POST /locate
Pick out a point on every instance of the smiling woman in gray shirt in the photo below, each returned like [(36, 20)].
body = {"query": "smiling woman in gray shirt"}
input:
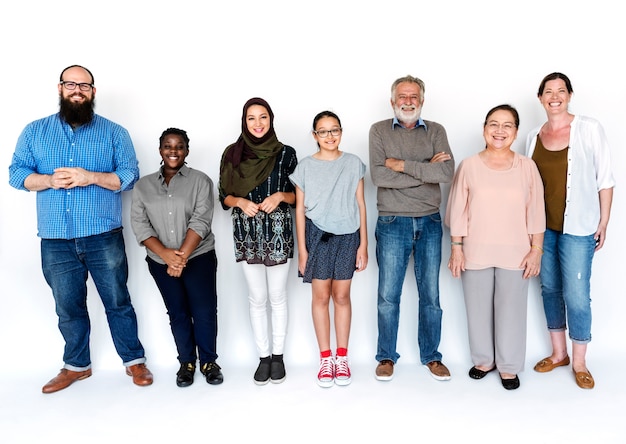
[(171, 216)]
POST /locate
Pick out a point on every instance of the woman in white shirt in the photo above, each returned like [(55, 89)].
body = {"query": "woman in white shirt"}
[(572, 155)]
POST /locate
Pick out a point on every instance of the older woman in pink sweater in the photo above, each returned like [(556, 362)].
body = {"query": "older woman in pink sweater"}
[(496, 217)]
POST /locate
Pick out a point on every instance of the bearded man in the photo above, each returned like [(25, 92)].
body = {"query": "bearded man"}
[(78, 163), (409, 159)]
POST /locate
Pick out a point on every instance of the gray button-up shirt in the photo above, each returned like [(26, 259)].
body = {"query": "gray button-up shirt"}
[(168, 211)]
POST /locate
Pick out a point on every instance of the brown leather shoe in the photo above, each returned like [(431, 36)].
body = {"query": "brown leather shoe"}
[(64, 379), (438, 371), (584, 380), (140, 373), (384, 370), (546, 364)]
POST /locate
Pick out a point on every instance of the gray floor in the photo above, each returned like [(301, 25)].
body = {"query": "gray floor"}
[(412, 407)]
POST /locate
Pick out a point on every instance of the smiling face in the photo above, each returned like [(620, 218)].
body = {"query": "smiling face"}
[(555, 97), (258, 120), (77, 75), (500, 130), (75, 105), (174, 151), (407, 103), (326, 126)]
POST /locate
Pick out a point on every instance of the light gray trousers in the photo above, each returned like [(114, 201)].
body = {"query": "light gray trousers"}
[(496, 305)]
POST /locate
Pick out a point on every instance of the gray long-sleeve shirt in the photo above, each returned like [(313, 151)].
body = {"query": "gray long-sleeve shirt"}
[(168, 211), (416, 192)]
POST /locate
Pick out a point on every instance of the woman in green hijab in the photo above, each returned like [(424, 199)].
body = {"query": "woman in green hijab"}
[(254, 182)]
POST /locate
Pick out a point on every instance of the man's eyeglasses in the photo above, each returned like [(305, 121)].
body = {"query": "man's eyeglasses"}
[(324, 133), (71, 86)]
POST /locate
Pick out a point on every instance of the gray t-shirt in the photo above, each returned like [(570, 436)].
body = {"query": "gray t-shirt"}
[(329, 188)]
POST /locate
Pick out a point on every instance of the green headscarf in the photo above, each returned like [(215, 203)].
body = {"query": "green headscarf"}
[(250, 160)]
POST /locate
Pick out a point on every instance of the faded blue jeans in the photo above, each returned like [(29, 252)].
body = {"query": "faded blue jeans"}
[(565, 283), (66, 264), (397, 238)]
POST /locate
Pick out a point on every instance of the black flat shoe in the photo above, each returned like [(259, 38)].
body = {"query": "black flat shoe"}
[(510, 384), (476, 373), (213, 373), (184, 376)]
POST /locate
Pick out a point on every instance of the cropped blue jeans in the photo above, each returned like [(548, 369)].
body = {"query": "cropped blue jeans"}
[(565, 283)]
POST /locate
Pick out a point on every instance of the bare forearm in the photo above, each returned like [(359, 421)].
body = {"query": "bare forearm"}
[(154, 244), (606, 200), (38, 182), (191, 242), (109, 181), (536, 240), (67, 178), (288, 198), (231, 201)]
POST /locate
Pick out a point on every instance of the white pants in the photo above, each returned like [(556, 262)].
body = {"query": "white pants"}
[(268, 283)]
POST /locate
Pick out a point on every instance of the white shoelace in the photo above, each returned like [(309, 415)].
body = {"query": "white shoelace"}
[(341, 367), (327, 368)]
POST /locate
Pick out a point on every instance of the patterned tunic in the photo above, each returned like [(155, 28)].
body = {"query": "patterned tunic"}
[(267, 238)]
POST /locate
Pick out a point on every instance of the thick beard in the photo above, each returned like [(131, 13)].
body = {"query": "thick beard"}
[(76, 114), (407, 115)]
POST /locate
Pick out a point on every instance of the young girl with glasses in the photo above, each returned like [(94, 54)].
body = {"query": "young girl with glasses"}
[(332, 239)]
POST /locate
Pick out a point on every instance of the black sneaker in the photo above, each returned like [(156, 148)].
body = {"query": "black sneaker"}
[(277, 369), (263, 371), (184, 376), (213, 373)]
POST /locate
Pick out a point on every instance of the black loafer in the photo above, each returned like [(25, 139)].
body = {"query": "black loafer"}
[(510, 384), (184, 376), (213, 373), (476, 373)]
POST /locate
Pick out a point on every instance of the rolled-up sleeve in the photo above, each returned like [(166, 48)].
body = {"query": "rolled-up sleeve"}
[(126, 164), (23, 163)]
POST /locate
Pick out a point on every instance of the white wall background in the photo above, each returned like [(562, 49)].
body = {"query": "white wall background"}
[(193, 64)]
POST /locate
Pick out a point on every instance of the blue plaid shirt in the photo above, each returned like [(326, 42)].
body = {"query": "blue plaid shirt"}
[(100, 146)]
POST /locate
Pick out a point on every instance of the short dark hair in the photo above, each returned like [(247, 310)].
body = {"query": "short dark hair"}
[(176, 131), (503, 107), (93, 82), (555, 76)]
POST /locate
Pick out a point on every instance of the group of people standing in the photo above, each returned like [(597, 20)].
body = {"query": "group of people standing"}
[(511, 217)]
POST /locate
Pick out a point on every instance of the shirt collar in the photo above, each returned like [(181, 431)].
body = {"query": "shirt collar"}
[(184, 171), (420, 122)]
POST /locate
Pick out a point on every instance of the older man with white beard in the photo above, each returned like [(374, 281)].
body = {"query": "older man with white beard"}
[(409, 159)]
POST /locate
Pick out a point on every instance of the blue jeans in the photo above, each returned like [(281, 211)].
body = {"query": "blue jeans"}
[(191, 302), (397, 238), (66, 264), (565, 283)]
